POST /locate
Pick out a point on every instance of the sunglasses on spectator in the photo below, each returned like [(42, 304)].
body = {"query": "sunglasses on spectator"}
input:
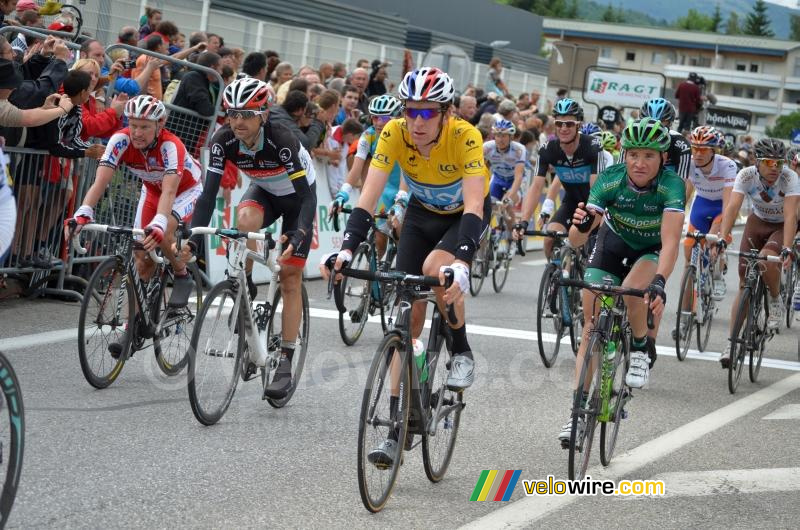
[(382, 119), (772, 162), (569, 124), (425, 114), (702, 149), (242, 113)]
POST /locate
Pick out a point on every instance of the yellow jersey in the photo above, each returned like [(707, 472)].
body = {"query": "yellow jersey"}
[(435, 181)]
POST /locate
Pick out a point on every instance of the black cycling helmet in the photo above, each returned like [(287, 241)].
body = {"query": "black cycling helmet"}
[(770, 148)]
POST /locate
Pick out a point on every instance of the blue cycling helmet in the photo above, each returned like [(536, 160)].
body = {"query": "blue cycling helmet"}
[(568, 107), (503, 126), (590, 128), (659, 109)]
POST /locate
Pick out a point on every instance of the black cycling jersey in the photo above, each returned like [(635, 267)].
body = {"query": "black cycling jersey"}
[(278, 164), (679, 156), (574, 173)]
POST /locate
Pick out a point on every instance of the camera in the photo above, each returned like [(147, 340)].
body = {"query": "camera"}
[(128, 65)]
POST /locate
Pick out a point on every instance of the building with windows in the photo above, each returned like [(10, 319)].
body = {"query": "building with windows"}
[(755, 74)]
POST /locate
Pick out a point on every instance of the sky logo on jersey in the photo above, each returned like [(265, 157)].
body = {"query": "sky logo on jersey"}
[(494, 485), (574, 175), (446, 197)]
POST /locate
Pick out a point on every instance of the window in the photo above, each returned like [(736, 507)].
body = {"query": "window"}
[(737, 91), (796, 72), (753, 67), (741, 67), (764, 93), (704, 61), (658, 58), (605, 52), (630, 56), (750, 92)]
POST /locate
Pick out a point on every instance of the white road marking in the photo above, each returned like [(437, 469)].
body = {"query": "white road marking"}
[(524, 512), (534, 262), (63, 335), (728, 482), (786, 412)]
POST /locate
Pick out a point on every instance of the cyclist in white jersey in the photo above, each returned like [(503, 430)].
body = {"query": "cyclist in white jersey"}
[(506, 158), (591, 129), (775, 193)]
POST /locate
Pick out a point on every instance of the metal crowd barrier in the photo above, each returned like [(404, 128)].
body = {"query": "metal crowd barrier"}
[(40, 33)]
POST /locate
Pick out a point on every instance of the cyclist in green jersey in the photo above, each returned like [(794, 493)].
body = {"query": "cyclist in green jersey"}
[(641, 207)]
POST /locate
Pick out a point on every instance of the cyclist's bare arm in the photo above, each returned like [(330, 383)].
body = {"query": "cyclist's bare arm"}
[(555, 188), (519, 172), (532, 198), (730, 213), (373, 188), (354, 175), (790, 219), (690, 190), (101, 180)]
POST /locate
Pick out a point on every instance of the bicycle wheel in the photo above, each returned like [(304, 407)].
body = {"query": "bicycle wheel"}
[(437, 449), (757, 325), (479, 269), (740, 337), (708, 308), (500, 273), (580, 447), (376, 421), (576, 308), (12, 438), (791, 278), (619, 397), (274, 337), (684, 323), (106, 315), (217, 352), (549, 328), (356, 296), (175, 325)]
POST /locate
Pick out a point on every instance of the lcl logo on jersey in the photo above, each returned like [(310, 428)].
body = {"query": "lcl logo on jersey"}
[(475, 164), (447, 168), (380, 157)]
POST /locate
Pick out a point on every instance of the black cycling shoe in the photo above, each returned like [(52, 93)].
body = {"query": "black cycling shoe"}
[(282, 382), (115, 349), (182, 287)]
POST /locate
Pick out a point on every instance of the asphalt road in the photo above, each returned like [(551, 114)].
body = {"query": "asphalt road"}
[(134, 456)]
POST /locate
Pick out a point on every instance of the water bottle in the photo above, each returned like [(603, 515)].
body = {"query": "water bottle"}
[(421, 359)]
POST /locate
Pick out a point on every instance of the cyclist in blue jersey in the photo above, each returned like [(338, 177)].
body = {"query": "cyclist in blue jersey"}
[(576, 160), (506, 159), (382, 109)]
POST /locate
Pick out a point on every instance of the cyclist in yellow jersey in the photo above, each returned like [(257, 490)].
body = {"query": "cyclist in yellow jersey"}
[(441, 157)]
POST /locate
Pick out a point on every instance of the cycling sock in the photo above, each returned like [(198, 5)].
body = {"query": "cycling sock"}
[(287, 349), (460, 344), (639, 344), (394, 404)]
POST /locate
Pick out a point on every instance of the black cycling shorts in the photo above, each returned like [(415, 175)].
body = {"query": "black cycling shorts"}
[(424, 231), (563, 215), (611, 255), (273, 208)]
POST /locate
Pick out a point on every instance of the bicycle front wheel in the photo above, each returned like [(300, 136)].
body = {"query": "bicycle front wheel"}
[(479, 269), (502, 266), (585, 413), (12, 438), (619, 396), (791, 279), (445, 407), (757, 327), (740, 337), (173, 336), (377, 476), (106, 316), (684, 323), (275, 336), (549, 328), (355, 296), (216, 353)]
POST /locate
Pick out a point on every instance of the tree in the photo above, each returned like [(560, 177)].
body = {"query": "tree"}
[(784, 125), (609, 15), (757, 22), (794, 28), (694, 21), (716, 19), (572, 10), (732, 26)]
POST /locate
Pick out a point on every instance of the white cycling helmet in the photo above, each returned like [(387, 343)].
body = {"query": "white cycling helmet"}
[(145, 107), (248, 93), (427, 84)]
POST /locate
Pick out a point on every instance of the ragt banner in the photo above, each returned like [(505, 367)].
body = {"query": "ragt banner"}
[(621, 89)]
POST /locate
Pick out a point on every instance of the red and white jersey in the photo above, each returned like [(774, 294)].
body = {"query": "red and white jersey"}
[(167, 155)]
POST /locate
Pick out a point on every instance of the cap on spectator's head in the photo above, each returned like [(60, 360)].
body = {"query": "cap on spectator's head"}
[(25, 5), (10, 77), (60, 26)]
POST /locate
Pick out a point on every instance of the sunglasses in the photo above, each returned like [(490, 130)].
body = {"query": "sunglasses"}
[(702, 149), (425, 114), (383, 119), (568, 124), (771, 162), (246, 114)]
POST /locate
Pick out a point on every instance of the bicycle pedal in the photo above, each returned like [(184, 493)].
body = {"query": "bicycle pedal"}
[(249, 371)]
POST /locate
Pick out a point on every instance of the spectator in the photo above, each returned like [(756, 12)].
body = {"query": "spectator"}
[(227, 58), (339, 70), (13, 117), (255, 65), (214, 42), (535, 96), (97, 124), (337, 84), (177, 43), (506, 110), (93, 49), (128, 35), (315, 91), (273, 60), (238, 59), (523, 102), (167, 31), (467, 107), (120, 72), (325, 73), (156, 44), (359, 79), (298, 83), (377, 79), (283, 74), (6, 8), (152, 17), (328, 106), (488, 107), (227, 74), (349, 105), (339, 142), (29, 18), (689, 101), (290, 112), (61, 138), (494, 81), (197, 37), (197, 92), (362, 63)]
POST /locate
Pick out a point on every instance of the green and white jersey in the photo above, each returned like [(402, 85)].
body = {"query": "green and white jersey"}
[(633, 214)]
